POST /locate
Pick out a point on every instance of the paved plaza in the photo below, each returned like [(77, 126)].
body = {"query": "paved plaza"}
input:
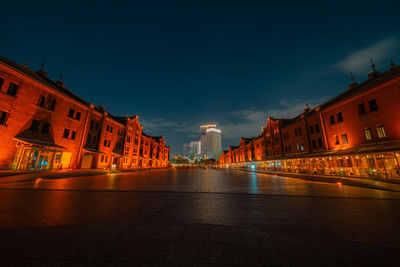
[(198, 217)]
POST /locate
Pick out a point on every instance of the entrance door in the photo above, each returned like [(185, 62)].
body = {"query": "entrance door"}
[(66, 160), (34, 159), (86, 161)]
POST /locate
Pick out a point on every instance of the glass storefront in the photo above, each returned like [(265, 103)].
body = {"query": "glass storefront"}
[(35, 158), (373, 165)]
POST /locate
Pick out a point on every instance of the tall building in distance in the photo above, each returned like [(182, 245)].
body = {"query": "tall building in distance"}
[(192, 150), (210, 140)]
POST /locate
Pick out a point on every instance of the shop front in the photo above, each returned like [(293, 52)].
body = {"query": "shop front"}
[(38, 155)]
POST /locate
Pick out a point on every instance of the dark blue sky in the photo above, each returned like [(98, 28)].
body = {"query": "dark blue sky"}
[(178, 64)]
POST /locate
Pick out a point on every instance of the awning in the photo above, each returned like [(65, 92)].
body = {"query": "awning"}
[(93, 150), (38, 143), (389, 146), (117, 154)]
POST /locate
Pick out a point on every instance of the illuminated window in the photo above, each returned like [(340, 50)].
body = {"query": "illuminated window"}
[(66, 133), (302, 147), (344, 139), (71, 113), (368, 134), (35, 125), (298, 147), (3, 117), (339, 117), (381, 131), (373, 105), (361, 109), (332, 119), (46, 128), (12, 89)]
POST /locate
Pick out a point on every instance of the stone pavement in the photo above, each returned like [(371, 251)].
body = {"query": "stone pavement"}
[(170, 218), (188, 244)]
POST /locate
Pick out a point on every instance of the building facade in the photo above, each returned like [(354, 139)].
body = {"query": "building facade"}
[(44, 126), (192, 150), (356, 133), (210, 140)]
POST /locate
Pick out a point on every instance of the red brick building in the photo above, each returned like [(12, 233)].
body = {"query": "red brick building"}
[(43, 125), (356, 133)]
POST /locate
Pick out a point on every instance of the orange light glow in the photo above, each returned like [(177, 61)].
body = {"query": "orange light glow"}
[(339, 185), (37, 182)]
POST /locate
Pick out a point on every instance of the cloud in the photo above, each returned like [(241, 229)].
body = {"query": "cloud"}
[(248, 122), (358, 62)]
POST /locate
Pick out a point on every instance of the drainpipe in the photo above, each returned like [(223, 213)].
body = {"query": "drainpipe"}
[(323, 127), (84, 134), (307, 133)]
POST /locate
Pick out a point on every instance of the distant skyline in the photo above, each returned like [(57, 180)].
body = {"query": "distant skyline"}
[(180, 64)]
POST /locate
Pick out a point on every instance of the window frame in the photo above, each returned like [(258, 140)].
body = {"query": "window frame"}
[(383, 131), (73, 135), (361, 109), (345, 139), (66, 133), (71, 115), (339, 117), (373, 105), (370, 134), (332, 120), (78, 115), (12, 89), (4, 117)]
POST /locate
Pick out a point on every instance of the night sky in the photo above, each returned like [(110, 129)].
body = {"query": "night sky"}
[(180, 64)]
